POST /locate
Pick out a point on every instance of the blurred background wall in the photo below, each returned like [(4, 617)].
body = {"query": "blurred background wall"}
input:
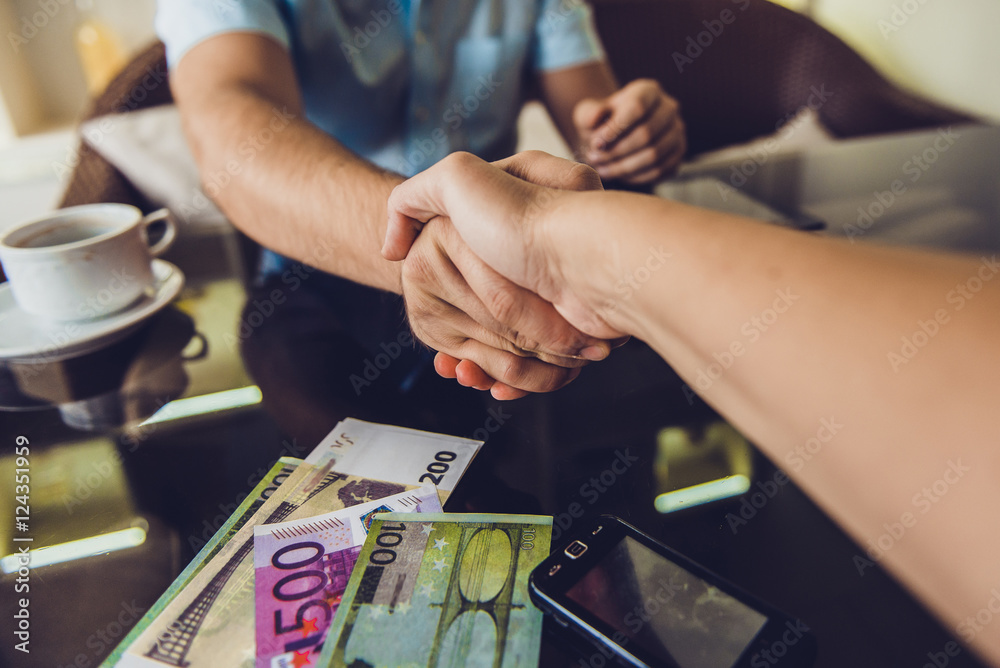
[(944, 49), (43, 81)]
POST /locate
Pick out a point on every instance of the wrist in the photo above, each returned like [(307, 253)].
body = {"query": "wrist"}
[(577, 242), (393, 269)]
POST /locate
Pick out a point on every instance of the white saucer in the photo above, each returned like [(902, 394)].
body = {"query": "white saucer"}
[(28, 338)]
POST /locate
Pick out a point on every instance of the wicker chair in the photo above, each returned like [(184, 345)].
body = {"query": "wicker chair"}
[(94, 179), (758, 70), (740, 67)]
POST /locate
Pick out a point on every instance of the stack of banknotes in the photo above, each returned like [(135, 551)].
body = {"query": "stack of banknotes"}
[(346, 559)]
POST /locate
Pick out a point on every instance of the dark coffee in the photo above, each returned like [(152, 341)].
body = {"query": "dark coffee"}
[(67, 232)]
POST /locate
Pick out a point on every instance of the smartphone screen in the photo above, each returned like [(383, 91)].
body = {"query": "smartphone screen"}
[(674, 615)]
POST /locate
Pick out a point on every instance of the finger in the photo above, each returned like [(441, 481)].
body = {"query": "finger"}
[(469, 374), (521, 373), (400, 233), (530, 323), (630, 106), (445, 365), (419, 199), (650, 161), (661, 122), (589, 113), (666, 167), (507, 316), (444, 327), (502, 392), (620, 341), (547, 170)]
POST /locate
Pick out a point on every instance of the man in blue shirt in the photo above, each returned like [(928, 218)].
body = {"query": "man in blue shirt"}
[(304, 114)]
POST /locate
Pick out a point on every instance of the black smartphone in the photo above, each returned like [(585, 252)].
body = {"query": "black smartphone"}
[(643, 604)]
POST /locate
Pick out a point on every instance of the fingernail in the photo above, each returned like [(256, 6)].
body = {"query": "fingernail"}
[(618, 343), (594, 353)]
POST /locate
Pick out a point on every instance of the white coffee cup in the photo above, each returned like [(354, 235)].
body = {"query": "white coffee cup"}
[(83, 262)]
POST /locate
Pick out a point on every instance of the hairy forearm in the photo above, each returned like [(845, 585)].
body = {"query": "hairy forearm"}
[(867, 373), (290, 186)]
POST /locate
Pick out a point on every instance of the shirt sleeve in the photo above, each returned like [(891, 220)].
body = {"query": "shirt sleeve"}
[(181, 24), (565, 35)]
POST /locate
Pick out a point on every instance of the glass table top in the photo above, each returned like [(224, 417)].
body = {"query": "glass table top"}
[(141, 450)]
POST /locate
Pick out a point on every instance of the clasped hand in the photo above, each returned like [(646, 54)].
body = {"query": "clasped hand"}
[(477, 228)]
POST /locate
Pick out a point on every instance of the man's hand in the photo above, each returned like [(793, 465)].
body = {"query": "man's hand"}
[(635, 135), (506, 338), (496, 210), (462, 308)]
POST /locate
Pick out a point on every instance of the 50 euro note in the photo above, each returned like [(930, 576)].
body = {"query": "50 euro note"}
[(302, 568), (211, 621), (442, 590)]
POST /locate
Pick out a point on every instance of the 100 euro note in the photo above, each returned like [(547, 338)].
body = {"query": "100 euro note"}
[(442, 590), (210, 622), (302, 568), (273, 479)]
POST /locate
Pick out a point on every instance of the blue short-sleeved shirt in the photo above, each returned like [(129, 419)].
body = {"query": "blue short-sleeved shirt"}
[(404, 83)]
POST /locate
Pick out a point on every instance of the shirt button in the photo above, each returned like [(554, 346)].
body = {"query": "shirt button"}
[(420, 37), (421, 113)]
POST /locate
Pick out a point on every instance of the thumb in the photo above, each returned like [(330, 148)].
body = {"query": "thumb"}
[(485, 204)]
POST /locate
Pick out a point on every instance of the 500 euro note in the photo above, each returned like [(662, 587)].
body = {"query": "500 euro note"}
[(211, 620), (302, 568)]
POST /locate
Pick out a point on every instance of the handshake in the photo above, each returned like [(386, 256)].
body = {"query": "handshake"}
[(539, 277)]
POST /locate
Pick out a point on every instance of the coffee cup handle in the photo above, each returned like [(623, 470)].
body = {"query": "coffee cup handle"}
[(169, 235)]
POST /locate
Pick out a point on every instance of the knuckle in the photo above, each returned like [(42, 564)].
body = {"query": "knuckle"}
[(531, 374), (427, 317), (532, 155), (583, 177), (514, 371), (419, 332), (634, 108), (643, 135), (505, 307), (418, 269), (458, 159)]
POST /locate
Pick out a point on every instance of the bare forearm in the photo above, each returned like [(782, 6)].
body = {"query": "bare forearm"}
[(562, 89), (294, 189), (865, 372), (279, 178)]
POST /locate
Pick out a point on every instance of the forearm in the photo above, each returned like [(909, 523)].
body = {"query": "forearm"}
[(277, 177), (799, 341), (562, 89)]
